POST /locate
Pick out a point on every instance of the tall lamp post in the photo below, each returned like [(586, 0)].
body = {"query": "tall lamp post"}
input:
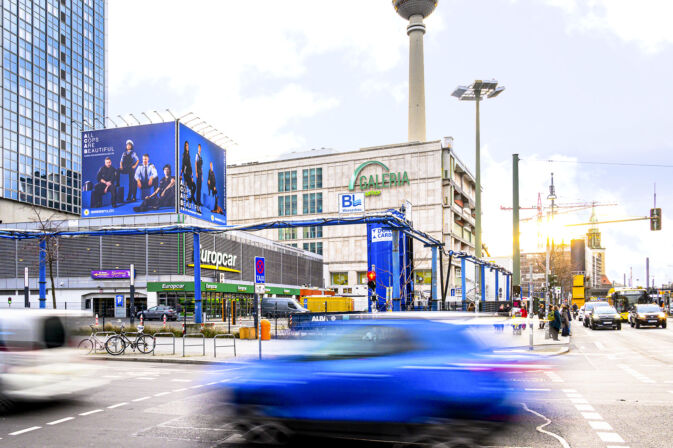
[(476, 92)]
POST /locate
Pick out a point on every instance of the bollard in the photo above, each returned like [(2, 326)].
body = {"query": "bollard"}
[(164, 321), (96, 319), (141, 319)]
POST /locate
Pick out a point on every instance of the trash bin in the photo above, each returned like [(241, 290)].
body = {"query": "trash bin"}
[(266, 330)]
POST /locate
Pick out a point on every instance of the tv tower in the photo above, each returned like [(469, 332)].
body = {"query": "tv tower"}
[(415, 11)]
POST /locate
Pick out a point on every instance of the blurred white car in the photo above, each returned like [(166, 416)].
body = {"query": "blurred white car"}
[(580, 315), (35, 360)]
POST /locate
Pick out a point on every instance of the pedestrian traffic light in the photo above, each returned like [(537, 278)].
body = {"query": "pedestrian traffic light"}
[(655, 219), (371, 280), (516, 290), (9, 300)]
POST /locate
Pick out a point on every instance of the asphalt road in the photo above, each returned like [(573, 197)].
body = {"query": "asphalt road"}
[(614, 389)]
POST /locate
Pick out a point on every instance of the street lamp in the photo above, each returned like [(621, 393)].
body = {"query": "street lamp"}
[(475, 92)]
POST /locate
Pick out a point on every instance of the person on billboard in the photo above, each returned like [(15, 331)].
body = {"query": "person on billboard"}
[(186, 171), (146, 175), (105, 182), (217, 208), (127, 165), (211, 180), (164, 196), (198, 163)]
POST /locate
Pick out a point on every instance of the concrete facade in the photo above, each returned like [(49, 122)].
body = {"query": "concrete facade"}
[(440, 190)]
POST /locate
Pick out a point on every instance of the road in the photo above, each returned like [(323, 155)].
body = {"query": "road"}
[(614, 389)]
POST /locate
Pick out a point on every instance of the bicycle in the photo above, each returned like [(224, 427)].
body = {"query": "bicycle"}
[(87, 345), (116, 345)]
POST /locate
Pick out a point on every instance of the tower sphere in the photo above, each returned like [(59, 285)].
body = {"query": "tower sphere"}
[(408, 8)]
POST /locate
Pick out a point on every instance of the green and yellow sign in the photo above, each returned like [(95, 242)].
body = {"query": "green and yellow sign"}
[(377, 181)]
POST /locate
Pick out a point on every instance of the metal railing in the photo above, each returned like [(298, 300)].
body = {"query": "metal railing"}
[(167, 333), (203, 342), (228, 336), (95, 335)]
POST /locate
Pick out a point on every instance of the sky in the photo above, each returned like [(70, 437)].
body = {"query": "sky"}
[(586, 82)]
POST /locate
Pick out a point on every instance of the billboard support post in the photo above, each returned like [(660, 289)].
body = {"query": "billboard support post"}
[(197, 279), (433, 282), (132, 293), (26, 290), (497, 285), (396, 271), (463, 282), (43, 273)]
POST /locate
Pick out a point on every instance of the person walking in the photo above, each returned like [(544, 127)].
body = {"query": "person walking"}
[(555, 325), (565, 321)]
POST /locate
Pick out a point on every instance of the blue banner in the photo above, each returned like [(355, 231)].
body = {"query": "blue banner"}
[(129, 171), (202, 177)]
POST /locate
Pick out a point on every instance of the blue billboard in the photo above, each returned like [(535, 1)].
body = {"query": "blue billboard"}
[(202, 177), (129, 171)]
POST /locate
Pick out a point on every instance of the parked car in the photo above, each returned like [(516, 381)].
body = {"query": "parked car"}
[(580, 315), (158, 312), (606, 317), (589, 309), (395, 380), (647, 314), (281, 307)]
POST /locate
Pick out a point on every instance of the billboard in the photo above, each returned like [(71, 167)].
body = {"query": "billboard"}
[(202, 175), (129, 171), (351, 203)]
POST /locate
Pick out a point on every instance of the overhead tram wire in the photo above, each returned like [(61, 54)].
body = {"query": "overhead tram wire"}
[(578, 162)]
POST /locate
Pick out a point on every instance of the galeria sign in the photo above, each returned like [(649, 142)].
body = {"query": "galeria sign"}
[(383, 179)]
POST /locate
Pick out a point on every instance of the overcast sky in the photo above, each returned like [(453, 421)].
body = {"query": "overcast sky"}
[(587, 81)]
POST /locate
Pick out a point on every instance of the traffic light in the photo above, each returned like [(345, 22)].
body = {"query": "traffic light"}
[(371, 280), (516, 290), (655, 219)]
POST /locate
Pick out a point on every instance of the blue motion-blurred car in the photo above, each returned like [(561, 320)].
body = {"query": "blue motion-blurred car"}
[(409, 381)]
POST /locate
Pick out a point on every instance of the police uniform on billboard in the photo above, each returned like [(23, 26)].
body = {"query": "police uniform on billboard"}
[(164, 196), (198, 161), (106, 179), (186, 171), (146, 176), (128, 165)]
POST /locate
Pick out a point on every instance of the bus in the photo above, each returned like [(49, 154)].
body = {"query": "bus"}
[(624, 298)]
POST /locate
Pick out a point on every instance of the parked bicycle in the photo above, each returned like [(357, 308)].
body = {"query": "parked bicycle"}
[(117, 344), (87, 345)]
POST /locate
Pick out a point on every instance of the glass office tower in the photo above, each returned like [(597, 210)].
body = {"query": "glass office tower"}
[(53, 87)]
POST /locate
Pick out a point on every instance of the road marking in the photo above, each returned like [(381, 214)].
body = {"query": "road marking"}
[(32, 428), (554, 377), (179, 380), (571, 395), (642, 378), (112, 376), (531, 389), (569, 390), (592, 416), (179, 390), (91, 412), (599, 345), (141, 399), (579, 400), (210, 384), (600, 425), (610, 437), (196, 387), (146, 378), (563, 441), (117, 405), (56, 422), (584, 407), (161, 394)]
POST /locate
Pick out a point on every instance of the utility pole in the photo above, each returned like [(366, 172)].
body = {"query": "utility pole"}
[(647, 273), (516, 249)]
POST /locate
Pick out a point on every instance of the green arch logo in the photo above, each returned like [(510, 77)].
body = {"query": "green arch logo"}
[(356, 173)]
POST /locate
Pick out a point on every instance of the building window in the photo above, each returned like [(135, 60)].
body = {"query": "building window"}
[(311, 178), (313, 232), (312, 203), (362, 278), (339, 278), (287, 205), (423, 277), (315, 247), (287, 181), (287, 234)]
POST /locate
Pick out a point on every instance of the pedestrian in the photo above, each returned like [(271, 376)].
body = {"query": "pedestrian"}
[(540, 315), (565, 321), (524, 312), (555, 325)]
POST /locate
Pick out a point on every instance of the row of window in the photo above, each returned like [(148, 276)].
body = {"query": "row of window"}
[(291, 234), (311, 179), (311, 204), (315, 247), (421, 277)]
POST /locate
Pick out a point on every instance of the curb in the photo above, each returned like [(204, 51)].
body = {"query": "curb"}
[(161, 360)]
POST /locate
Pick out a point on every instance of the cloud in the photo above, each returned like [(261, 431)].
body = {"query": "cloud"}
[(644, 22)]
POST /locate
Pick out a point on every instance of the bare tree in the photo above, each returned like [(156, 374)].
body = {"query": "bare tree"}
[(48, 223)]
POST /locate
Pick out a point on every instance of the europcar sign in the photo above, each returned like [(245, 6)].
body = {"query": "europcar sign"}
[(384, 178)]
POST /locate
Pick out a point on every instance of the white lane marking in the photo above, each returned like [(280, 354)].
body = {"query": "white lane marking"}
[(141, 399), (554, 377), (91, 412), (579, 400), (599, 345), (604, 426), (592, 416), (179, 380), (539, 428), (146, 378), (610, 437), (161, 394), (56, 422), (585, 407), (210, 384), (196, 387), (179, 390), (112, 376), (570, 395), (642, 378), (118, 405), (616, 446), (532, 389), (32, 428), (569, 390)]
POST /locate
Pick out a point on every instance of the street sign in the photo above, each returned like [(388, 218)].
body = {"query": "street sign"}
[(119, 300), (260, 288), (352, 203), (260, 272), (120, 306)]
